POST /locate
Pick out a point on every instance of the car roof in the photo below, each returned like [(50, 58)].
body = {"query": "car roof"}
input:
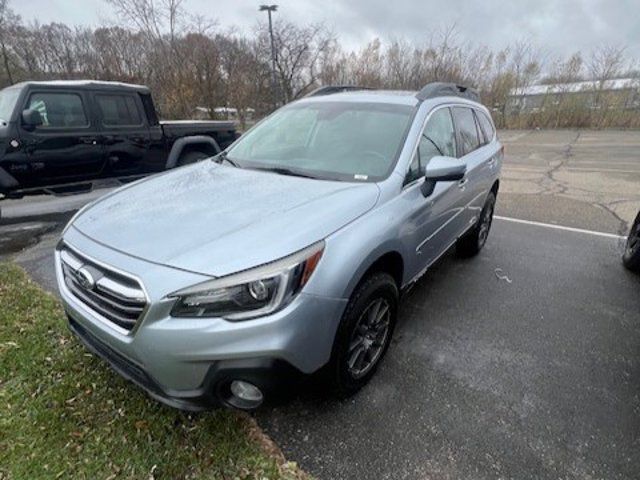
[(86, 84)]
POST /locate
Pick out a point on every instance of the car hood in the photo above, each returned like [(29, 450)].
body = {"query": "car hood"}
[(216, 219)]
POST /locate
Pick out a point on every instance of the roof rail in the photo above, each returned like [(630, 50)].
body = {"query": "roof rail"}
[(442, 89), (331, 89)]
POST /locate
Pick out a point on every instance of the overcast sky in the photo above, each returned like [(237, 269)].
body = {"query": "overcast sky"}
[(557, 26)]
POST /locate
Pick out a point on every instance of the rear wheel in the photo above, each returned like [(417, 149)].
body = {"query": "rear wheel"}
[(472, 242), (191, 157), (364, 334), (631, 257)]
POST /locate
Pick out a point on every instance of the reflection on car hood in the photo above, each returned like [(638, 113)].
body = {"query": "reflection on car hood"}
[(216, 219)]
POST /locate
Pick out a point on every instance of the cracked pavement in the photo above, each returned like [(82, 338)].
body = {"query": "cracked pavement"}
[(586, 179)]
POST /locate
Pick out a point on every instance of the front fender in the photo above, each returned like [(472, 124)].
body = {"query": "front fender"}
[(351, 251)]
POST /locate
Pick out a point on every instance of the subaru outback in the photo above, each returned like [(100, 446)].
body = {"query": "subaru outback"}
[(286, 253)]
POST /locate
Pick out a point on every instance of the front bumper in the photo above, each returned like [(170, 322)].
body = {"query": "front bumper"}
[(184, 362), (268, 374)]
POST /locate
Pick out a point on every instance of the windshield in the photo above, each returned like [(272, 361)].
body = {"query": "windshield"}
[(329, 140), (8, 98)]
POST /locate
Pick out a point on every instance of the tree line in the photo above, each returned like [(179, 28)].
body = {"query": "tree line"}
[(189, 61)]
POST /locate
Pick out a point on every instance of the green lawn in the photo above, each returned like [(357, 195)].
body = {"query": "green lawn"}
[(65, 414)]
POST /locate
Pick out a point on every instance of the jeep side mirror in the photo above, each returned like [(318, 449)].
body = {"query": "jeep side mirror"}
[(442, 169), (31, 118)]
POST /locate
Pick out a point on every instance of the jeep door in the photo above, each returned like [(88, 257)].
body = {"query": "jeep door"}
[(65, 147), (124, 133), (433, 223)]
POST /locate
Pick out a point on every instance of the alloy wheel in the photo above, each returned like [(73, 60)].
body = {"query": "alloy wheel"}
[(369, 337)]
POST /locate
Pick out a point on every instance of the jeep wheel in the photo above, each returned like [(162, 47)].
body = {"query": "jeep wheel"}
[(364, 334), (472, 242), (631, 257)]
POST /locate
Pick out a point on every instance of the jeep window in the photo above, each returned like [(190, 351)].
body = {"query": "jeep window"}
[(438, 138), (329, 140), (118, 110), (8, 98), (467, 131), (59, 110)]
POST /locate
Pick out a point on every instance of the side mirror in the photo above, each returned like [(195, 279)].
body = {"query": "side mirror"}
[(31, 118), (442, 169)]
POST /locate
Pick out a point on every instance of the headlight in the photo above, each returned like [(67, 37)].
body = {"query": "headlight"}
[(252, 293)]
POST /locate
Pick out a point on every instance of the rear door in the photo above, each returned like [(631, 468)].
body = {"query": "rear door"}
[(124, 133), (470, 141), (65, 147)]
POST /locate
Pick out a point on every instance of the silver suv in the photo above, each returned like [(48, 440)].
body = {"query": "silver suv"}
[(287, 253)]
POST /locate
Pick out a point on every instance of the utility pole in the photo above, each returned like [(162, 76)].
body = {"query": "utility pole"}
[(274, 90)]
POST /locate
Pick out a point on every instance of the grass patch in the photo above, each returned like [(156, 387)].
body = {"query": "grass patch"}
[(65, 414)]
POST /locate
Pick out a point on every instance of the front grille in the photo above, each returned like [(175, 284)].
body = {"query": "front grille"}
[(114, 296)]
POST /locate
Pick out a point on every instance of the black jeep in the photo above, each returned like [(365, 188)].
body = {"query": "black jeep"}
[(64, 136)]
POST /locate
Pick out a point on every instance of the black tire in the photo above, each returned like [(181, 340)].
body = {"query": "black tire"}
[(631, 257), (191, 157), (472, 242), (378, 287)]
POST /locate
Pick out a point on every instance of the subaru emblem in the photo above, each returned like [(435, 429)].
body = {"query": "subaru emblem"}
[(85, 279)]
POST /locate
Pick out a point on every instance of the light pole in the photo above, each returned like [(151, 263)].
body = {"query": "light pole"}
[(269, 9)]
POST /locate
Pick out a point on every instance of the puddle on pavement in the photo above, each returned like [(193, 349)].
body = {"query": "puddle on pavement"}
[(17, 237)]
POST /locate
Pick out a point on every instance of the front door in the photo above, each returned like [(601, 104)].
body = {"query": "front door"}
[(434, 222), (65, 148)]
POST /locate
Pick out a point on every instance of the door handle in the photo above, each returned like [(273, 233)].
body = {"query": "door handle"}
[(492, 162), (462, 184)]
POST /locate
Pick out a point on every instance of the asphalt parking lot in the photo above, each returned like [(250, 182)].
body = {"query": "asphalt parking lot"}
[(521, 363)]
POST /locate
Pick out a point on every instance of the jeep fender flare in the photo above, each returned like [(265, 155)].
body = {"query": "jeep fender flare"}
[(180, 144)]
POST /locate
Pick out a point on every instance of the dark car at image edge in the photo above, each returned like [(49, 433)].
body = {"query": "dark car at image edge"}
[(63, 136)]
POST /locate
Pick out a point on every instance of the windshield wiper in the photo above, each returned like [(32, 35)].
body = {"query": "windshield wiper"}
[(223, 157), (285, 171)]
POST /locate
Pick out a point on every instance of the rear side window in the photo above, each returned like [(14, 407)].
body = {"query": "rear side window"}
[(468, 139), (59, 110), (486, 126), (118, 110)]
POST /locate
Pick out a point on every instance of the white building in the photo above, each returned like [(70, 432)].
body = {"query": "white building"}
[(619, 93)]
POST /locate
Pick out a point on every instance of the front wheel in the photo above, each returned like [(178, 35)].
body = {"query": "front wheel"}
[(631, 257), (472, 242), (364, 334)]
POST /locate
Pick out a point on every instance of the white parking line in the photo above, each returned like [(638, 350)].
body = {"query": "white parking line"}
[(559, 227)]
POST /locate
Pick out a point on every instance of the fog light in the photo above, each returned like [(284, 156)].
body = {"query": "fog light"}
[(248, 394)]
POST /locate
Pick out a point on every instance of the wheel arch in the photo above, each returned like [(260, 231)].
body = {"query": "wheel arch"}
[(184, 145), (389, 261)]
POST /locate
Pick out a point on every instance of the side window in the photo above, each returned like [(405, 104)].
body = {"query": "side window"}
[(438, 138), (486, 126), (467, 131), (59, 110), (118, 110)]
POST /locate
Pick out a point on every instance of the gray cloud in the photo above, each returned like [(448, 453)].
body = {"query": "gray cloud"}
[(559, 27)]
